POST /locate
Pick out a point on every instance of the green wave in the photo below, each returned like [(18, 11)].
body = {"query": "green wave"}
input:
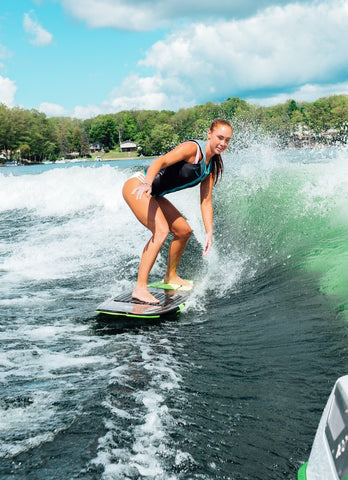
[(291, 215)]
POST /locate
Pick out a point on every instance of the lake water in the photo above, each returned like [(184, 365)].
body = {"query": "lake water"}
[(231, 389)]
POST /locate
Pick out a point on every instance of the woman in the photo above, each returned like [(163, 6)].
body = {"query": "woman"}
[(190, 163)]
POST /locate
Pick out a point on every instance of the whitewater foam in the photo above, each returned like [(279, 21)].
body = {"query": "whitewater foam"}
[(61, 192), (148, 411)]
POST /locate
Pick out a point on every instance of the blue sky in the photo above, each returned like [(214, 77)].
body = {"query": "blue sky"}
[(82, 58)]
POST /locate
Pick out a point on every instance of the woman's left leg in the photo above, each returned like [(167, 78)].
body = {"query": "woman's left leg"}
[(182, 231)]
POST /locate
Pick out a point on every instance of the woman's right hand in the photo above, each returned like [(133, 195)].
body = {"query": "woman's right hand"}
[(208, 244), (141, 189)]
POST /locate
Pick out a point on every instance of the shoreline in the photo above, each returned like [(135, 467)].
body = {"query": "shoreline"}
[(10, 163)]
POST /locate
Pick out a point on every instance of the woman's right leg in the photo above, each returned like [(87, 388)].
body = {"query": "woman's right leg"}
[(181, 231), (147, 211)]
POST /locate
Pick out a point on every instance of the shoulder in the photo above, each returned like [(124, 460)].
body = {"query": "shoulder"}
[(188, 146), (186, 150)]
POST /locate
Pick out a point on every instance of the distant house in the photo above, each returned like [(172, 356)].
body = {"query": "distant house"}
[(128, 146), (96, 147)]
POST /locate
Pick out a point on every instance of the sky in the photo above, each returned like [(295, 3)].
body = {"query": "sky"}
[(82, 58)]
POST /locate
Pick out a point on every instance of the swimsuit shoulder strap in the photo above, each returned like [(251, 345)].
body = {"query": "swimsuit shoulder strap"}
[(198, 151), (201, 144)]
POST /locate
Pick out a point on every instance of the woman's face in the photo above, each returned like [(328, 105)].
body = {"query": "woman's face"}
[(219, 138)]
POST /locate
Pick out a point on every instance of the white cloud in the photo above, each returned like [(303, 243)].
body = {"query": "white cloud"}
[(134, 93), (52, 109), (5, 52), (82, 112), (8, 87), (278, 48), (89, 111), (8, 90), (147, 93), (306, 93), (109, 13), (293, 49), (42, 37), (150, 93), (143, 15)]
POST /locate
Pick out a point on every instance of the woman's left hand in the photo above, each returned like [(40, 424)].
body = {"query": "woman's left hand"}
[(208, 243)]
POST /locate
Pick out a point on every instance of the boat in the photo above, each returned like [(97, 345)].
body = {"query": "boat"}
[(328, 459)]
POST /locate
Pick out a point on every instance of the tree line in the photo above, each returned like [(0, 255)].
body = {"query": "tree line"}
[(31, 135)]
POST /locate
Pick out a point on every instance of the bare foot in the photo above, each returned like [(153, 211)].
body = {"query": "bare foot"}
[(143, 295), (178, 281)]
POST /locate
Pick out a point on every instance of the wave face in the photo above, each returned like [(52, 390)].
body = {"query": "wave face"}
[(289, 210), (226, 391)]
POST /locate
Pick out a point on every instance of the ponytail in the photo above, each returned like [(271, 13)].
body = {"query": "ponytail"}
[(217, 168)]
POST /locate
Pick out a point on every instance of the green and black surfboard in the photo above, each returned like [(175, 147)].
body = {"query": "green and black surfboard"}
[(172, 300)]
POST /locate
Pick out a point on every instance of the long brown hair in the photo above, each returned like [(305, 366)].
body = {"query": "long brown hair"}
[(217, 162)]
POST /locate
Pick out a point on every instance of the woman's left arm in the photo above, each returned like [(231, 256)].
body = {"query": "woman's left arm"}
[(207, 211)]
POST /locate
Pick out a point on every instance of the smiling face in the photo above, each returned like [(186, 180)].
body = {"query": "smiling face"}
[(219, 136)]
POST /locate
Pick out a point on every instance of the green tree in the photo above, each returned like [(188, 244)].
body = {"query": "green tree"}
[(339, 111), (15, 129), (76, 139), (292, 107), (200, 128), (129, 127), (24, 151), (104, 130), (319, 115), (41, 136), (144, 144), (4, 122), (85, 151), (234, 107), (163, 138), (64, 147), (296, 121), (61, 128), (145, 121), (183, 123)]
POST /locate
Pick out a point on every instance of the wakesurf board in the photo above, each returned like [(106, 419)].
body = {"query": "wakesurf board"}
[(172, 300)]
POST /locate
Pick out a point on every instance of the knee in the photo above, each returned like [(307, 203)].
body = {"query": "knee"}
[(184, 232), (161, 235), (188, 232)]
